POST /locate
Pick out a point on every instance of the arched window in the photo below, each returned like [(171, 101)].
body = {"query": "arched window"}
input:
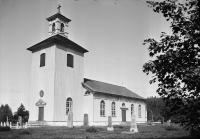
[(123, 104), (102, 108), (139, 111), (53, 27), (132, 109), (70, 60), (113, 109), (62, 27), (69, 104), (42, 60)]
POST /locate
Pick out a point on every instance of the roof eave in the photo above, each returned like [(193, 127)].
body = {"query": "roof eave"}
[(120, 95), (88, 87), (58, 15), (54, 40)]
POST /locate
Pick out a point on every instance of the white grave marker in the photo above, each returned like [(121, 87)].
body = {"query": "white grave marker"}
[(133, 123), (110, 126)]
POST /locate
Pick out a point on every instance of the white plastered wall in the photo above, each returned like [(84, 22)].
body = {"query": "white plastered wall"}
[(88, 107), (68, 84), (118, 102), (42, 78)]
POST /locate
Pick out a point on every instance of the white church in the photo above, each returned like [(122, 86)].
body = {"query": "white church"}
[(58, 84)]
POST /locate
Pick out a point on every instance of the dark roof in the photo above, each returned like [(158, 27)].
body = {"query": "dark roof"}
[(56, 39), (101, 87), (58, 15)]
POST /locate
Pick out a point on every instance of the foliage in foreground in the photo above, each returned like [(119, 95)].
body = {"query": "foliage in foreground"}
[(176, 60), (91, 129)]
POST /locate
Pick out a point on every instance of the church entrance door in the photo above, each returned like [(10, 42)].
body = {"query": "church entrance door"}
[(41, 114), (123, 115)]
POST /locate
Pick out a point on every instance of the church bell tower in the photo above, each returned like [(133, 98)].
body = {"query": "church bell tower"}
[(58, 23), (56, 76)]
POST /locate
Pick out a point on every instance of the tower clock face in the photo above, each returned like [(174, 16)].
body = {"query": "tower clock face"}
[(41, 93)]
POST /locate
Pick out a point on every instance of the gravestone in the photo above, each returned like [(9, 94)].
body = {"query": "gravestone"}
[(7, 123), (20, 121), (110, 126), (10, 125), (4, 124), (70, 119), (85, 122), (1, 124), (168, 122), (26, 125), (17, 125), (133, 123)]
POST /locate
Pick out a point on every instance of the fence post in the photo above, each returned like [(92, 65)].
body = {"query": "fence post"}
[(17, 126)]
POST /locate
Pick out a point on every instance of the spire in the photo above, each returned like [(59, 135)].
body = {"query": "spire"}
[(59, 8)]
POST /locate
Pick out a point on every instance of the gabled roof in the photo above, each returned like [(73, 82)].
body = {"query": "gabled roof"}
[(56, 39), (58, 15), (101, 87)]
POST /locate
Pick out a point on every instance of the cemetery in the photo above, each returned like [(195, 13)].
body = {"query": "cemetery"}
[(124, 130), (156, 131)]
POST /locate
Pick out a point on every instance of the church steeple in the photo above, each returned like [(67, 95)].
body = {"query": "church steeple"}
[(58, 23)]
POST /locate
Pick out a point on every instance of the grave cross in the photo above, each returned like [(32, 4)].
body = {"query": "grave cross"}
[(59, 8)]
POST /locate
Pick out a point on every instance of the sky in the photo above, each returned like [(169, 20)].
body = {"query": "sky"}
[(113, 32)]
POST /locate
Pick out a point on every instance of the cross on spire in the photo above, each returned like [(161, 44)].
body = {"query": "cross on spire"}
[(59, 8)]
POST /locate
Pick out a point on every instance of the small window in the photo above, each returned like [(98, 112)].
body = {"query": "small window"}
[(68, 105), (132, 109), (139, 111), (123, 104), (70, 60), (53, 27), (62, 27), (42, 60), (113, 109), (102, 108), (87, 93)]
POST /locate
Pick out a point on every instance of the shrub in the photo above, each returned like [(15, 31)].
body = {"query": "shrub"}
[(4, 128), (171, 127), (118, 126), (91, 129)]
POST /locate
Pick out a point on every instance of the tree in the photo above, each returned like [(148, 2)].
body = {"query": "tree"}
[(21, 111), (157, 109), (176, 63), (5, 112)]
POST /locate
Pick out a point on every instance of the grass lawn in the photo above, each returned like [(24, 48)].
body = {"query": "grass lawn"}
[(48, 132)]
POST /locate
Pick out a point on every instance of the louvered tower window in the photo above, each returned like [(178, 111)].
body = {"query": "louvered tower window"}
[(42, 60), (70, 60)]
